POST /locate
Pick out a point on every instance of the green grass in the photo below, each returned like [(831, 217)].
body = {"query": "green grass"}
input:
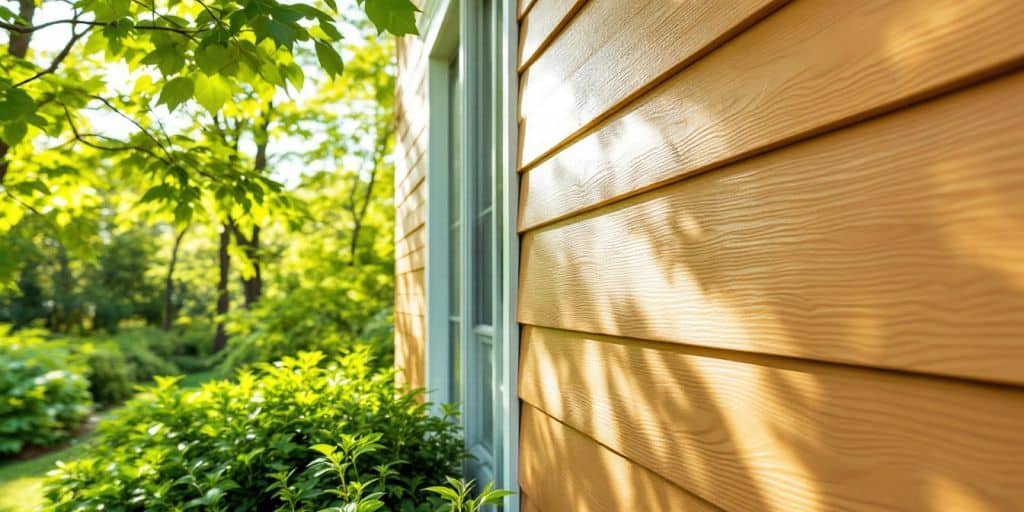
[(21, 482)]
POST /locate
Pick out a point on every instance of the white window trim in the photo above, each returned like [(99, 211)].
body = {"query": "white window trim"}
[(441, 40), (510, 251)]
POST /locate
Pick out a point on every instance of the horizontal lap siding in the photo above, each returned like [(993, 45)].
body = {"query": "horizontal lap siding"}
[(753, 433), (564, 470), (885, 245), (410, 213), (612, 51), (808, 67), (771, 255)]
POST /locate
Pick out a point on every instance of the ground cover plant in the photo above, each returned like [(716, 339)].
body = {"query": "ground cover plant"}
[(44, 393)]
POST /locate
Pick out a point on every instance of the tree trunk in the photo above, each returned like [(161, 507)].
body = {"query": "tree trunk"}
[(220, 340), (168, 317), (17, 47), (252, 287)]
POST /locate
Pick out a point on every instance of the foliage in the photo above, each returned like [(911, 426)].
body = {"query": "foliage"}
[(153, 352), (246, 445), (458, 495), (108, 371), (338, 315), (43, 392)]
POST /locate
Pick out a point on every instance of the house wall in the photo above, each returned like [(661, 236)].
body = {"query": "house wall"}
[(410, 212), (772, 255)]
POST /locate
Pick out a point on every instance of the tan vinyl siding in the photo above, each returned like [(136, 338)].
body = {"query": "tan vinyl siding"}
[(410, 213), (771, 255)]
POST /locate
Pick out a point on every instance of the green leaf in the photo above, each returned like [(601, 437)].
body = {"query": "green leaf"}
[(169, 59), (293, 73), (161, 191), (14, 132), (110, 10), (331, 31), (212, 91), (395, 16), (15, 104), (282, 34), (176, 92), (329, 59), (324, 449), (212, 58), (182, 213)]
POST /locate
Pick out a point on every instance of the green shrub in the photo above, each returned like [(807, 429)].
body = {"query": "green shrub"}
[(109, 373), (305, 320), (43, 392), (151, 351), (246, 445)]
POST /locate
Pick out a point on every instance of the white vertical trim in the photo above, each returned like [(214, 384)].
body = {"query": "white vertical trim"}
[(440, 43), (467, 82), (509, 472)]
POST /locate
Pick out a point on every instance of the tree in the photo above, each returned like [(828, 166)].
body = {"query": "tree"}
[(176, 52)]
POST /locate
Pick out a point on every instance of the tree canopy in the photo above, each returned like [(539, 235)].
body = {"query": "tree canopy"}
[(173, 159)]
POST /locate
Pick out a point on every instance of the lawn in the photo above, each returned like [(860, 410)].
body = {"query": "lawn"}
[(21, 482)]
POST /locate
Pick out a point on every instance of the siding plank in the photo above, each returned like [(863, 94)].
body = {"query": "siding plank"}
[(409, 350), (761, 433), (408, 220), (593, 64), (809, 67), (541, 25), (413, 261), (895, 243), (412, 242), (563, 470), (524, 7)]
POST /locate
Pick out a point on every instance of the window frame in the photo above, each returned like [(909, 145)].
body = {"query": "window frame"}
[(446, 25)]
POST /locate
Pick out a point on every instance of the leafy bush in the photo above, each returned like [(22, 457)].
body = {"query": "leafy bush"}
[(247, 445), (43, 392), (330, 321), (109, 373), (152, 351)]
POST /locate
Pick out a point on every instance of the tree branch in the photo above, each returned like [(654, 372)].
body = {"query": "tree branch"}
[(137, 125), (81, 138), (28, 29), (75, 36)]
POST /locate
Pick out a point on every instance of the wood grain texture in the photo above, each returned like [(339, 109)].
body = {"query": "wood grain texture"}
[(526, 504), (895, 243), (563, 470), (808, 67), (758, 433), (410, 211), (410, 349), (541, 25), (612, 51)]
